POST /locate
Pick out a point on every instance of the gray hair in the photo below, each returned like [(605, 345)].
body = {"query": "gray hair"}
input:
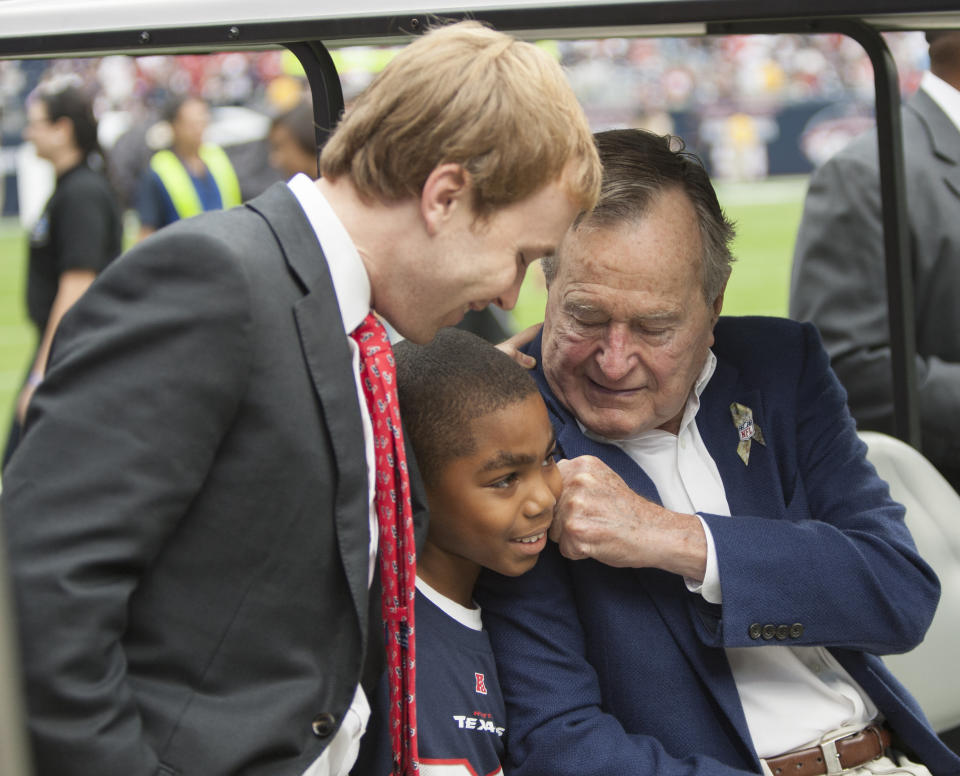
[(638, 166)]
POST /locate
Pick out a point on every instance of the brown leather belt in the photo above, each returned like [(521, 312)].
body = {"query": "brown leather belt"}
[(834, 756)]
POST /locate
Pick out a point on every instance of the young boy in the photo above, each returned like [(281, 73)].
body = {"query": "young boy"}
[(484, 447)]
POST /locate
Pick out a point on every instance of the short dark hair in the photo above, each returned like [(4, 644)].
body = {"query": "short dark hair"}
[(445, 385), (73, 103), (638, 166), (299, 121)]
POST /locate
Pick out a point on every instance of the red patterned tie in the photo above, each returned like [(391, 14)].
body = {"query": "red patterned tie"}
[(398, 570)]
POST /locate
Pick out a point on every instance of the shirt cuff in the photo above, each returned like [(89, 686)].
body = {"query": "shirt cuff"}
[(710, 587)]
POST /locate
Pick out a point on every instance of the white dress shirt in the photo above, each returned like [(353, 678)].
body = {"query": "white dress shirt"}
[(791, 696), (942, 93), (351, 284)]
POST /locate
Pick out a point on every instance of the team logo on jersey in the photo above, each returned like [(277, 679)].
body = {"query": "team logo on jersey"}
[(480, 721), (481, 684)]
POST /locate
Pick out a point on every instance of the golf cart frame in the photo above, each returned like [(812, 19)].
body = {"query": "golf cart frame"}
[(31, 29)]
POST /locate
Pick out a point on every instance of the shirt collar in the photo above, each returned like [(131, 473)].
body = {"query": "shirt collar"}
[(689, 413), (469, 617), (944, 95), (351, 283)]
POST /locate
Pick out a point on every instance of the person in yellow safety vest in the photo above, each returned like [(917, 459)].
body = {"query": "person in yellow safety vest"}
[(188, 178)]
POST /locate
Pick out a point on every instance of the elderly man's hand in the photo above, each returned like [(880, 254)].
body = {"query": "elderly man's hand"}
[(599, 516), (512, 346)]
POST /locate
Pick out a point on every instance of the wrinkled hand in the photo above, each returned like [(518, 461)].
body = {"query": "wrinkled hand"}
[(512, 346), (600, 517)]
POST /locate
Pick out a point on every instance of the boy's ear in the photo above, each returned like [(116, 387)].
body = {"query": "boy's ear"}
[(447, 189)]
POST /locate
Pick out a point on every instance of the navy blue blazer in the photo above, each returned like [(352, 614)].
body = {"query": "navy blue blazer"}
[(623, 671)]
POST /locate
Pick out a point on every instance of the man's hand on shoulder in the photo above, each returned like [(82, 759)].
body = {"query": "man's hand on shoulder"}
[(600, 517), (512, 346)]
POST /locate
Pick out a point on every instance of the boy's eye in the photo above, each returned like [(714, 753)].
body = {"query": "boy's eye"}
[(550, 460), (504, 482)]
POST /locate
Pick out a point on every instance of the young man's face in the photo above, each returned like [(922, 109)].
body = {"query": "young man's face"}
[(475, 263), (492, 508)]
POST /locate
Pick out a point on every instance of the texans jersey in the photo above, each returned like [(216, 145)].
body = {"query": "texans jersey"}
[(460, 711)]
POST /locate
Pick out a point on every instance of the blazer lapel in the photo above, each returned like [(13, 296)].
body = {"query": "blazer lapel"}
[(741, 482), (328, 359), (944, 136), (668, 592)]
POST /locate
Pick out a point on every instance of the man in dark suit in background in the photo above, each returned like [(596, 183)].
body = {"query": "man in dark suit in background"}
[(189, 516), (839, 279), (728, 565)]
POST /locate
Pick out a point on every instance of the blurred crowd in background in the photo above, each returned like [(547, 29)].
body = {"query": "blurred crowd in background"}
[(751, 106)]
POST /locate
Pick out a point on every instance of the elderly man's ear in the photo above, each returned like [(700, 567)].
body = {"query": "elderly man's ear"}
[(718, 303)]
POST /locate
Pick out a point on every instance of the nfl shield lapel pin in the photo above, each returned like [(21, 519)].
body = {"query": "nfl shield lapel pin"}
[(747, 430)]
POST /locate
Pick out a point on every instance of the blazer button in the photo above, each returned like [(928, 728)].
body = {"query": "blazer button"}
[(796, 630), (755, 631), (769, 631), (782, 632), (323, 724)]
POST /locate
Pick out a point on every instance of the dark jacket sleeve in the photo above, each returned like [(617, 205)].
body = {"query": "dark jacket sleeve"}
[(841, 560), (839, 283), (146, 372)]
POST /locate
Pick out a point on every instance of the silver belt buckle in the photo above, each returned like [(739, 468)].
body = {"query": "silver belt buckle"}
[(831, 757)]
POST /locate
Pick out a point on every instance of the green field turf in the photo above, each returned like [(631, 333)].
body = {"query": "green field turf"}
[(16, 335), (766, 215)]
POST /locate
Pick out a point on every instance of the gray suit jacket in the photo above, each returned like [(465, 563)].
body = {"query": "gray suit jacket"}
[(187, 515), (839, 277)]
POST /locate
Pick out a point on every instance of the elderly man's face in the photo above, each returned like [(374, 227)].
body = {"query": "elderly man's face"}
[(627, 329)]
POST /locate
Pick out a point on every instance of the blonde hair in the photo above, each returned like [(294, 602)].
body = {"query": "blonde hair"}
[(470, 95)]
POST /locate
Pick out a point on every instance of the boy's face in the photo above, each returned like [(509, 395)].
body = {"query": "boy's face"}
[(492, 508)]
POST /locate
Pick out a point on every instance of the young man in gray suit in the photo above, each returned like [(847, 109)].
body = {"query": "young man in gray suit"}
[(189, 516), (839, 276)]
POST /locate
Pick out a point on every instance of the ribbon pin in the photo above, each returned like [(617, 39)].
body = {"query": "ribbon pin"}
[(747, 430)]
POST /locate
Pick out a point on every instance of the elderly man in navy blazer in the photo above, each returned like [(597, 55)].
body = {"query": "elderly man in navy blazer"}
[(189, 516), (727, 565)]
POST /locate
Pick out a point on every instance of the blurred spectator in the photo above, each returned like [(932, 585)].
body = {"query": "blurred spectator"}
[(738, 145), (189, 177), (839, 279), (79, 231), (293, 142)]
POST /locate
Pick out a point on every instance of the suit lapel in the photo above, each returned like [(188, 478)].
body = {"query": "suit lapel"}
[(741, 482), (328, 359), (675, 604), (944, 137)]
